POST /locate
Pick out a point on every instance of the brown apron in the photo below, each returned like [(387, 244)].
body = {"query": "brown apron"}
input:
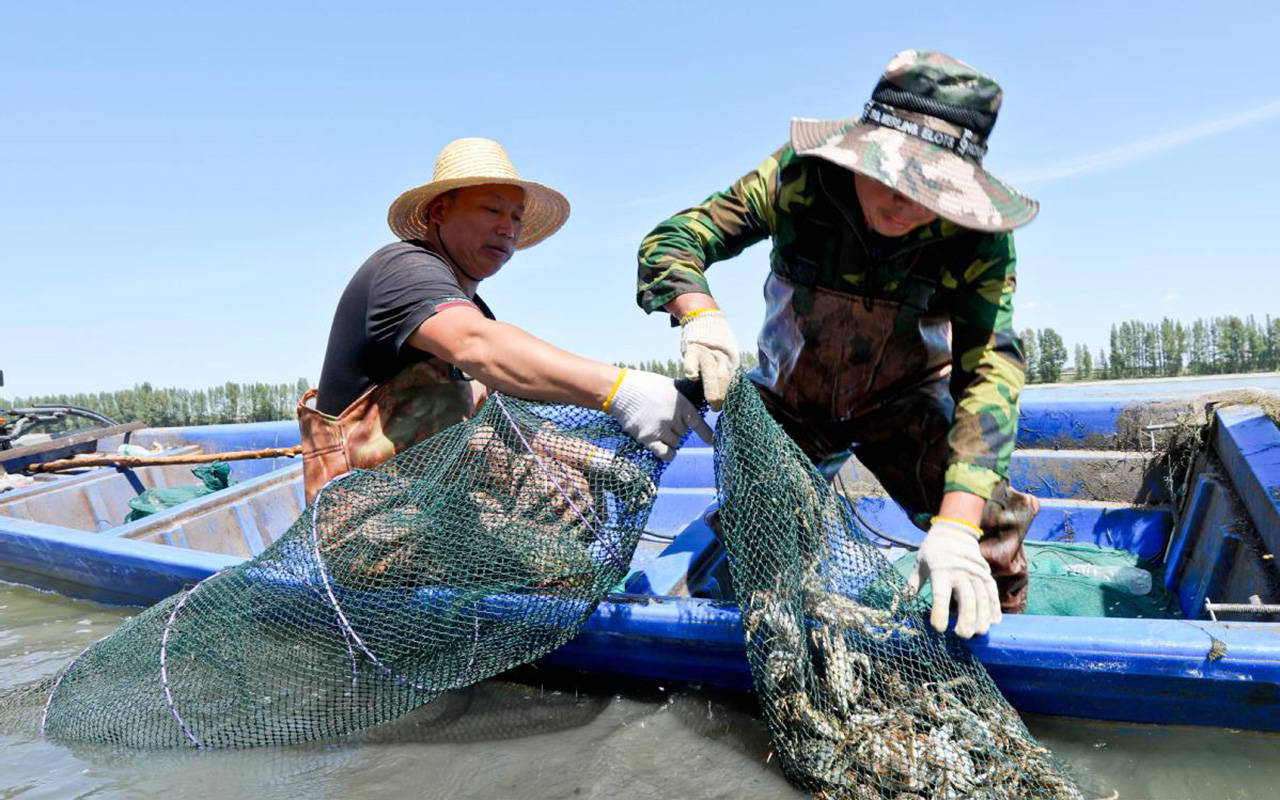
[(833, 356), (421, 400), (842, 371)]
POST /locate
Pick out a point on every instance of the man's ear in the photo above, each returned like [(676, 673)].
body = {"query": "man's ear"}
[(437, 208)]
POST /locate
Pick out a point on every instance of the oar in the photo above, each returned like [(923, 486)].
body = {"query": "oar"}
[(151, 461)]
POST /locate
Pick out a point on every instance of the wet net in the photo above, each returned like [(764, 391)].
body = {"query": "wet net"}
[(484, 547), (862, 698), (490, 544)]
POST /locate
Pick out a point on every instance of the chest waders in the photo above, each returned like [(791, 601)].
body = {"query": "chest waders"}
[(418, 402), (847, 373)]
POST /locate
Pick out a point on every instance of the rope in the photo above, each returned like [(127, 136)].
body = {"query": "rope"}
[(347, 630), (853, 506), (164, 666), (44, 717)]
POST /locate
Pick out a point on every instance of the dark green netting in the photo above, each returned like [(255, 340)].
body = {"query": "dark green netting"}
[(213, 477), (489, 545), (485, 547), (862, 698), (1085, 580)]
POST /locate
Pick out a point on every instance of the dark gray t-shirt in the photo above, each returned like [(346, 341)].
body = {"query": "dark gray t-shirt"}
[(399, 287)]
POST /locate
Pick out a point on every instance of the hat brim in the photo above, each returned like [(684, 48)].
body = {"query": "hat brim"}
[(954, 188), (545, 209)]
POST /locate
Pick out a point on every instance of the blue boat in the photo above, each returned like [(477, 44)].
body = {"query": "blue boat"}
[(1087, 450)]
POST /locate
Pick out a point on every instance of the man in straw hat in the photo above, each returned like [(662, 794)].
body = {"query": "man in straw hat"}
[(410, 328), (888, 330)]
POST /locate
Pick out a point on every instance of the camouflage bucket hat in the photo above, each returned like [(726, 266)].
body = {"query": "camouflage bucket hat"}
[(924, 134)]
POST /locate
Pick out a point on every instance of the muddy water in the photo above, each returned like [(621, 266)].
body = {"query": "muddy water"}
[(539, 739)]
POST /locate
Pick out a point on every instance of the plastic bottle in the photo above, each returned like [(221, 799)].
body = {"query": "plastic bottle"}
[(1134, 580)]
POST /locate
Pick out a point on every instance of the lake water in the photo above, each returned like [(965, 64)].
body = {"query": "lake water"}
[(543, 739)]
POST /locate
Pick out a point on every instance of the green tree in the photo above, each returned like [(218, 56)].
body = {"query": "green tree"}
[(1198, 355), (1173, 346), (1053, 354), (232, 411), (1272, 359), (1084, 363), (1233, 344), (1118, 348), (1030, 354), (161, 407), (1256, 344)]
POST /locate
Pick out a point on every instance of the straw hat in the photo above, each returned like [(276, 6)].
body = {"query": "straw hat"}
[(924, 134), (476, 162)]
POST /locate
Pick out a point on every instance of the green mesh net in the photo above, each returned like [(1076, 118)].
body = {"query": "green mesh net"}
[(485, 547), (489, 545), (862, 698)]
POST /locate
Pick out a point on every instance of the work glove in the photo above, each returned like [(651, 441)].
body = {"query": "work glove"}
[(654, 413), (951, 560), (709, 351)]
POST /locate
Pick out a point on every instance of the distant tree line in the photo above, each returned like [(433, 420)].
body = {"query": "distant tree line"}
[(673, 369), (1167, 348), (230, 402)]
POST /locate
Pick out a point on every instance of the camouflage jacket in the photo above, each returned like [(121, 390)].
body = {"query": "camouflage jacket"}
[(809, 209)]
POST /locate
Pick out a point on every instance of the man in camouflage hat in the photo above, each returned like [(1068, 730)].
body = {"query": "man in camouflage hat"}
[(888, 330)]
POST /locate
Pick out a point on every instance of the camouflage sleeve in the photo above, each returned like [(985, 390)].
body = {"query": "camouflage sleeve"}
[(675, 255), (988, 370)]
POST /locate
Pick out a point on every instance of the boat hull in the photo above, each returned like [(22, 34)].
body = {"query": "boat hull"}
[(1193, 671)]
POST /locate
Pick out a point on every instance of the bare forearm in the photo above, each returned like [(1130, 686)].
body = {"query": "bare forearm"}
[(510, 360), (962, 505)]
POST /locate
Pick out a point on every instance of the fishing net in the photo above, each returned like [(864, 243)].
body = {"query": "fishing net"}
[(484, 547), (490, 544), (862, 698)]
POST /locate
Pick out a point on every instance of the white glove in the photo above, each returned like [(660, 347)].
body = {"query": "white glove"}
[(651, 410), (710, 351), (951, 559)]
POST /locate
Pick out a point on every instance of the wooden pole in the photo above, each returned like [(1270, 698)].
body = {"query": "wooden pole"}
[(152, 461)]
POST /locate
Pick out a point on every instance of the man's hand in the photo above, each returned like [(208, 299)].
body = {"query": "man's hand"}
[(951, 560), (709, 351), (652, 411)]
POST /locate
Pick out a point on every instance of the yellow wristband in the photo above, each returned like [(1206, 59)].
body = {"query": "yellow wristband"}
[(976, 530), (695, 313), (614, 390)]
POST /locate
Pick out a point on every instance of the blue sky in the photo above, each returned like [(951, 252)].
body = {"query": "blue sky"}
[(185, 192)]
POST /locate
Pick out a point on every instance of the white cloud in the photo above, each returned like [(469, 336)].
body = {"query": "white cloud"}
[(1169, 298), (1124, 155)]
